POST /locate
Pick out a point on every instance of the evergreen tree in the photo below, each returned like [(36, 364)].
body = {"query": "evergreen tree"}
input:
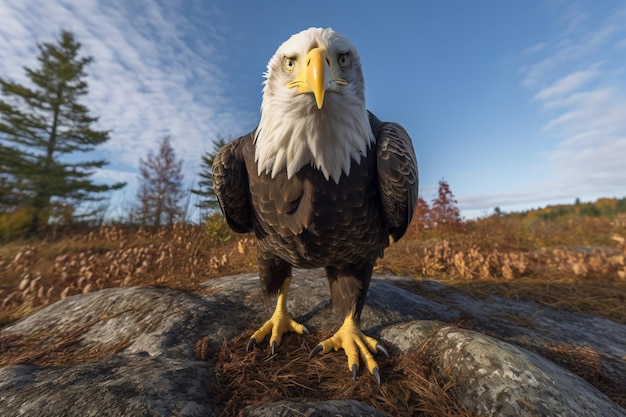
[(9, 198), (161, 190), (208, 201), (40, 124)]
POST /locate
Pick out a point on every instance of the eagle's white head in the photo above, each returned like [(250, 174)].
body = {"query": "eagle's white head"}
[(313, 109)]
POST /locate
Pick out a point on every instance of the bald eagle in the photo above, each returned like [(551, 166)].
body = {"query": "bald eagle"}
[(321, 182)]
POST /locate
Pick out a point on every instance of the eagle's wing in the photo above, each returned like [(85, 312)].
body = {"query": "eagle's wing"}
[(230, 183), (397, 174)]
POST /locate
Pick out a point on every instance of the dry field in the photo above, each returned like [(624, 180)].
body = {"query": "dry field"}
[(37, 273), (578, 264)]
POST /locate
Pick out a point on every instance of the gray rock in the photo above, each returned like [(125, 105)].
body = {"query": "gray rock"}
[(150, 371), (499, 378), (129, 351)]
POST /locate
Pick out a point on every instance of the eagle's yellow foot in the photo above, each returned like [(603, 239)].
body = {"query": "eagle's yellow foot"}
[(356, 345), (280, 322)]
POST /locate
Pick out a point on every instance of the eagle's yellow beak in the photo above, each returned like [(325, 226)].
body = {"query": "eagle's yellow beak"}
[(315, 76), (317, 64)]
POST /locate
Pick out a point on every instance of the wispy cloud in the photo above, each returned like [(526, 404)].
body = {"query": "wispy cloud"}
[(578, 80), (565, 85), (156, 71)]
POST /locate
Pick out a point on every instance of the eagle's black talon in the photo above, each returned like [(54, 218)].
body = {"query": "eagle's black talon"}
[(274, 346), (251, 344), (305, 330), (380, 348), (315, 351), (355, 368), (376, 373)]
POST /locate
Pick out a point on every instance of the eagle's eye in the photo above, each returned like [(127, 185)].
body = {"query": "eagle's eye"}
[(344, 60), (290, 64)]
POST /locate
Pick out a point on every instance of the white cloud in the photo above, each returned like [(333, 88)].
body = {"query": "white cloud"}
[(566, 85), (578, 80), (155, 71), (532, 50)]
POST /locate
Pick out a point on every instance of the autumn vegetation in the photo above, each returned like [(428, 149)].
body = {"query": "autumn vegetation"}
[(570, 259)]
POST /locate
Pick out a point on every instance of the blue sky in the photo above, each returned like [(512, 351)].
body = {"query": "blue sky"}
[(517, 104)]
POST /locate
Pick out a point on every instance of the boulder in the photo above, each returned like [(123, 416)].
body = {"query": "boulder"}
[(130, 351)]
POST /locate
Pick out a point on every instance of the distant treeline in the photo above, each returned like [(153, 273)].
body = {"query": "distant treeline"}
[(603, 207)]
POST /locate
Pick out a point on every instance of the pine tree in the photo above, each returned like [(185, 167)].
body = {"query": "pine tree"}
[(9, 198), (444, 211), (161, 190), (208, 201), (42, 123)]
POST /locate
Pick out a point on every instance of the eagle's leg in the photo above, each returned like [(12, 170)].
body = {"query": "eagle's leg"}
[(356, 345), (348, 289), (280, 322)]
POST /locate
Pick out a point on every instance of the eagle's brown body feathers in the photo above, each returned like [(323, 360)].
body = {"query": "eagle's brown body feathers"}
[(308, 221)]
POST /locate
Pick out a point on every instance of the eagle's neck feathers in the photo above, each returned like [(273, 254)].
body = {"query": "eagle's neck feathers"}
[(293, 133)]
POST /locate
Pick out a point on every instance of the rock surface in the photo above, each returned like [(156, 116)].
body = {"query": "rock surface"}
[(130, 351)]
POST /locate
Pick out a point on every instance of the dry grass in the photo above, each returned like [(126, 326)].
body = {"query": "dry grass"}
[(51, 348), (500, 257), (410, 386), (589, 282), (602, 299), (37, 273), (587, 363), (492, 257)]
